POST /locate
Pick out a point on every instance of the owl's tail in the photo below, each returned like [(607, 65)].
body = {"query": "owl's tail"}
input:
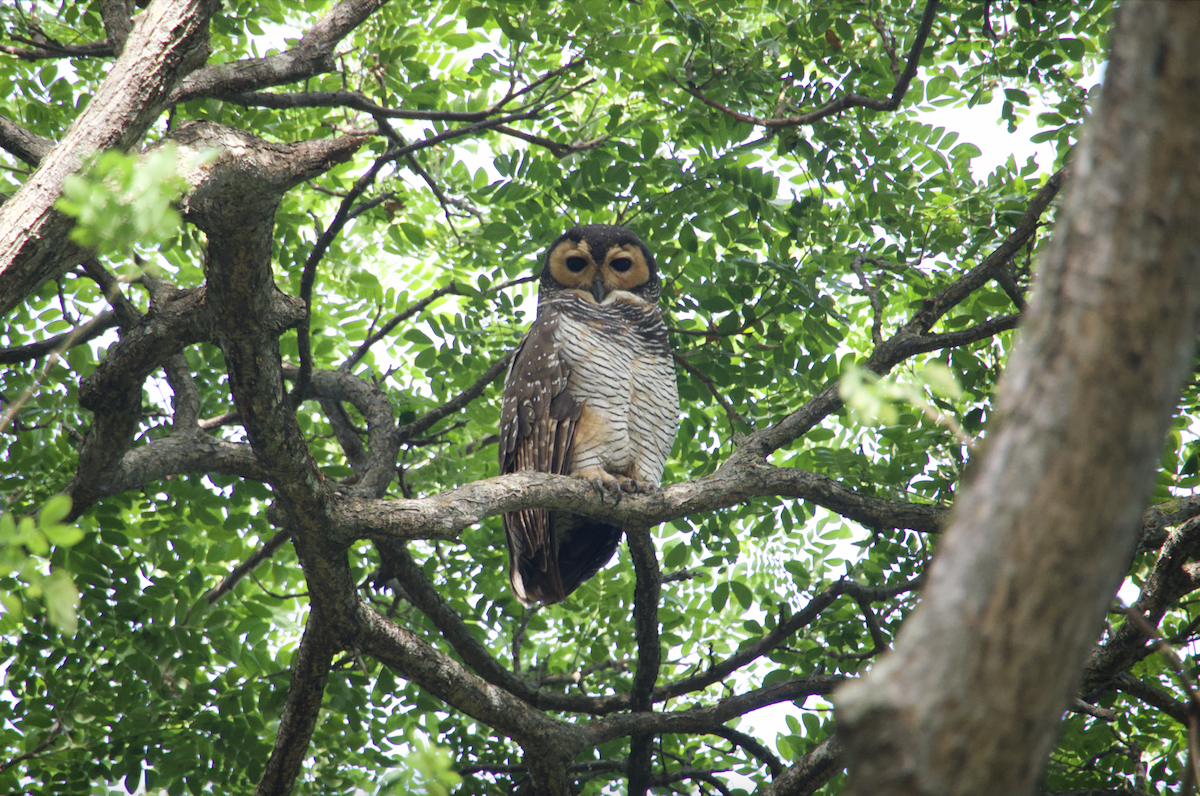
[(584, 550), (574, 550)]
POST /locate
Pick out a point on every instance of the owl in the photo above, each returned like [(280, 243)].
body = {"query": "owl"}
[(590, 393)]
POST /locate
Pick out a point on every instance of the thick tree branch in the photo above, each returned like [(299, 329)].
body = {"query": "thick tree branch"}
[(377, 467), (233, 200), (810, 772), (186, 403), (118, 22), (444, 515), (413, 658), (310, 670), (24, 145), (751, 745), (314, 55), (701, 719), (1156, 697), (113, 393), (996, 647), (1167, 583), (646, 594)]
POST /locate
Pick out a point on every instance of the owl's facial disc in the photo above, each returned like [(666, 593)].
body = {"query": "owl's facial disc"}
[(624, 268), (571, 264), (599, 266)]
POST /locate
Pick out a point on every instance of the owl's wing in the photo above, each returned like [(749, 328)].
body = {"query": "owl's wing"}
[(538, 419)]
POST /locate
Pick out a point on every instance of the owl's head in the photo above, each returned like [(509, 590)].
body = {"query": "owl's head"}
[(597, 259)]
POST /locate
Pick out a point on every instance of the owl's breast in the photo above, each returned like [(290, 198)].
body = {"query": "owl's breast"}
[(621, 368)]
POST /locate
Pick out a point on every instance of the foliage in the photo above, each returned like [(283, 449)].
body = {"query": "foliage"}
[(118, 201), (163, 686)]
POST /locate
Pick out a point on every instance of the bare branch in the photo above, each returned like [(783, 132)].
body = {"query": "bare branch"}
[(396, 319), (80, 334), (314, 55), (559, 150), (731, 415), (24, 145), (873, 295), (55, 730), (810, 772), (353, 100), (45, 49), (702, 719), (407, 432), (647, 592), (246, 567)]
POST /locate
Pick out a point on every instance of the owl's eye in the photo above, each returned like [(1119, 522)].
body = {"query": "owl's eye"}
[(576, 264), (622, 264)]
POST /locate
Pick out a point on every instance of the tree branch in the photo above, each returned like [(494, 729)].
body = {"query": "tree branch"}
[(314, 55), (844, 102), (80, 334), (810, 772), (310, 671), (24, 145), (912, 338), (647, 592)]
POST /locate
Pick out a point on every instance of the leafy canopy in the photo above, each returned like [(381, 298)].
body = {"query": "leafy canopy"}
[(789, 250)]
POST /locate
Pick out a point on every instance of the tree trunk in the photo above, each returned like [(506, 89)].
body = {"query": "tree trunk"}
[(970, 700)]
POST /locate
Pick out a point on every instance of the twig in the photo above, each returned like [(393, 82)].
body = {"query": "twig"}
[(53, 733), (456, 403), (873, 295), (68, 341), (245, 568), (731, 414), (519, 637)]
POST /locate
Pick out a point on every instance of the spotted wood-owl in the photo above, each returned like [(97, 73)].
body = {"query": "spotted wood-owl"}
[(590, 393)]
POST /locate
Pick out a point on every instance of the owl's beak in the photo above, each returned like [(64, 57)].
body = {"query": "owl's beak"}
[(598, 290)]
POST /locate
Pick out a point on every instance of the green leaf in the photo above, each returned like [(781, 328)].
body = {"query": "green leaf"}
[(936, 87), (55, 510), (496, 231), (413, 233), (651, 140), (676, 557), (720, 595), (62, 601), (742, 593)]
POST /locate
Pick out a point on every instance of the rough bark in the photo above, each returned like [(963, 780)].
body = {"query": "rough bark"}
[(970, 700), (169, 39)]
